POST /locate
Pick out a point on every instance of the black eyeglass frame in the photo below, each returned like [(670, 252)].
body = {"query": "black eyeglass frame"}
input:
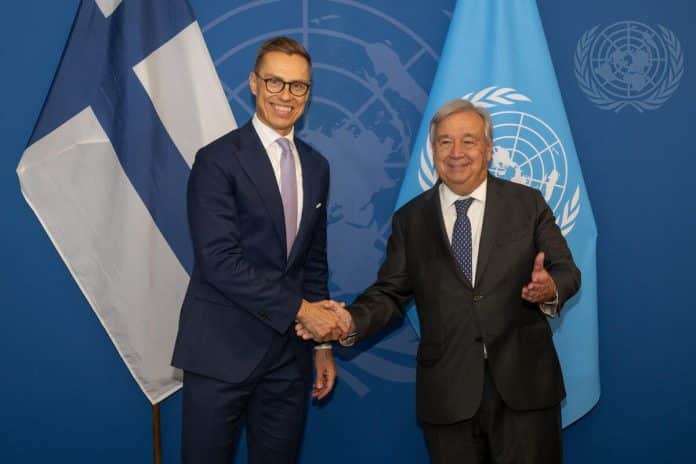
[(267, 80)]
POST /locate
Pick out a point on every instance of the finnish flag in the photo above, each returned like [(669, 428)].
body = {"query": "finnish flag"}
[(135, 96)]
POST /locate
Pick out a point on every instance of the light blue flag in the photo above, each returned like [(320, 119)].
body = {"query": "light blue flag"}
[(496, 56)]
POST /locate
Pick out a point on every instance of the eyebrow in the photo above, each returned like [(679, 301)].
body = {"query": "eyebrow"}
[(464, 136), (273, 76)]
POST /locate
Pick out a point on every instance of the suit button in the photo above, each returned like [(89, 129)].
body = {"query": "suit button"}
[(263, 315), (478, 339), (478, 298)]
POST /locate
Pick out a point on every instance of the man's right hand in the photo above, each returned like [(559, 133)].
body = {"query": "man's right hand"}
[(323, 321)]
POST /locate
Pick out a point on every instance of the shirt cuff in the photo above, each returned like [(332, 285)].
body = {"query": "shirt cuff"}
[(349, 340), (550, 308)]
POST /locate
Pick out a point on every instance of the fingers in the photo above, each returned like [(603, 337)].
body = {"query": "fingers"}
[(531, 293), (302, 332), (318, 387), (329, 382), (332, 305), (345, 322), (323, 385), (319, 391), (539, 292), (325, 374), (315, 321), (323, 321), (541, 286)]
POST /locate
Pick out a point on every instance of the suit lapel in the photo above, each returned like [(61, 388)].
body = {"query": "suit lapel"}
[(254, 160), (493, 221), (309, 195)]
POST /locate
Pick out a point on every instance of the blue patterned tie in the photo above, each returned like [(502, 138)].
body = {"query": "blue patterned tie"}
[(461, 237)]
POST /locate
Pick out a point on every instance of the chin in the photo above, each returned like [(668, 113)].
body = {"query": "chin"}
[(281, 126), (460, 182)]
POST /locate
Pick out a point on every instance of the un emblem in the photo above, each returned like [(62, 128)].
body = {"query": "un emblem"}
[(526, 150), (628, 64)]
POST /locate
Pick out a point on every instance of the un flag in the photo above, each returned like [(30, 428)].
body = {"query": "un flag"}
[(496, 56)]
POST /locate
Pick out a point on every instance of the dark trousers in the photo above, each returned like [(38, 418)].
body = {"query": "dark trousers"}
[(497, 434), (272, 402)]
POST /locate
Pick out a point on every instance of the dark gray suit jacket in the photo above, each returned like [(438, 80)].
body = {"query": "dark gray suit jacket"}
[(457, 319)]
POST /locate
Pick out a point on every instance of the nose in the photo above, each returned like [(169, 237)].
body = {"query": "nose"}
[(285, 93), (458, 148)]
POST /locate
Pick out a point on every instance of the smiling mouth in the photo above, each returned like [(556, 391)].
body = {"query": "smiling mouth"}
[(281, 110), (459, 165)]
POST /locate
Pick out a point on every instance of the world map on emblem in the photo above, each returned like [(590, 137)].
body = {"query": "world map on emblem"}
[(629, 59), (628, 64), (526, 150)]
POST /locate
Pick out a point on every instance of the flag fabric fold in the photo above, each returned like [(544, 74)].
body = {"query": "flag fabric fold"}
[(135, 96), (496, 56)]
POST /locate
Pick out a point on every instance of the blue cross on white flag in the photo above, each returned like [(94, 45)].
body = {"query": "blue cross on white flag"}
[(496, 56), (134, 98)]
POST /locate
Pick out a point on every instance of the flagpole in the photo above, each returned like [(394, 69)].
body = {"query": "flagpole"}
[(156, 437)]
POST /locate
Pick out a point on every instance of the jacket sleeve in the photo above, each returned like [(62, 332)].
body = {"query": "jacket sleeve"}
[(558, 259), (387, 297)]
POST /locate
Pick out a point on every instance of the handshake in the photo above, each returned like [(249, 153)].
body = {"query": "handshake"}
[(323, 321)]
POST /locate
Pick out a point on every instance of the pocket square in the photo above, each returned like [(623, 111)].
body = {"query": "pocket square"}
[(318, 205)]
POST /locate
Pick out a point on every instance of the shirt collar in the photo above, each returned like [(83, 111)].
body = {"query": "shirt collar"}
[(268, 135), (449, 197)]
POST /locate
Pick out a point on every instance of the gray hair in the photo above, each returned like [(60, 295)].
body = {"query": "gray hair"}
[(460, 106)]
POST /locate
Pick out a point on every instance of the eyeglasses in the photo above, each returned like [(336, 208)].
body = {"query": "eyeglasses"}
[(277, 85)]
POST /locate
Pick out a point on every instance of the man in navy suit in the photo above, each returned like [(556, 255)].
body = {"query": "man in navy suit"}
[(257, 201)]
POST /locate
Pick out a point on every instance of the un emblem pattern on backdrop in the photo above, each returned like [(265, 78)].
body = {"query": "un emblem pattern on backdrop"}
[(526, 150), (628, 64)]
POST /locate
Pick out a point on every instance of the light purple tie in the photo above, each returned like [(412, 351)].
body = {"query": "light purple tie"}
[(288, 191)]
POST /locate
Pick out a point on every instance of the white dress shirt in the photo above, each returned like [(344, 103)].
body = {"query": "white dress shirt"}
[(269, 139)]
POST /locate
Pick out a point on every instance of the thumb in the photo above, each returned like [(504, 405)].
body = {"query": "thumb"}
[(539, 262)]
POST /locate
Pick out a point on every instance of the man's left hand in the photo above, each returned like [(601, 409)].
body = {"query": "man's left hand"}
[(325, 367), (541, 288)]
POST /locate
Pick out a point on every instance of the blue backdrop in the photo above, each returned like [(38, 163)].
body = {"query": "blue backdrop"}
[(66, 396)]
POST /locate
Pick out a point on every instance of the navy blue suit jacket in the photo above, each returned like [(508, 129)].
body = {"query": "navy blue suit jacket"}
[(244, 290)]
